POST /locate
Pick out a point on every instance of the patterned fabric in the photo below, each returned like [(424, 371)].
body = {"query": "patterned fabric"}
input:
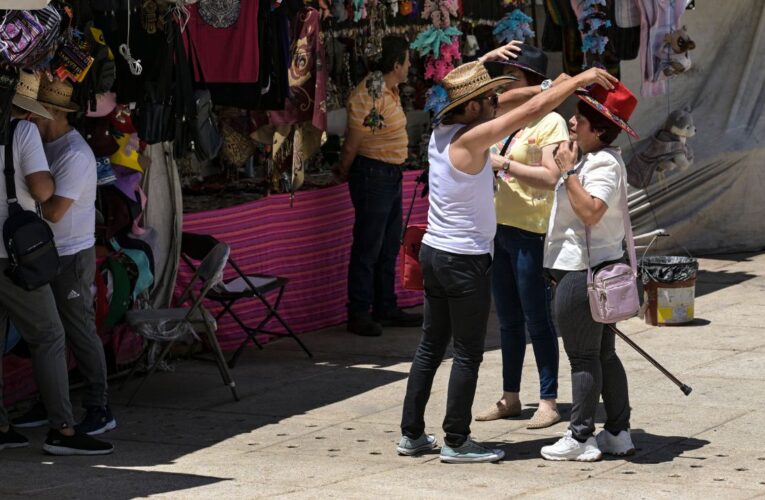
[(388, 144), (299, 127), (319, 236), (219, 13)]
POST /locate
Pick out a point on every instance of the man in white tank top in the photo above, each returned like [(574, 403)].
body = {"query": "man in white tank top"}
[(456, 253)]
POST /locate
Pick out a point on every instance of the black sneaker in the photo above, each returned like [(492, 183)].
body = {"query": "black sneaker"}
[(98, 420), (12, 439), (79, 444), (36, 416), (397, 317), (363, 324)]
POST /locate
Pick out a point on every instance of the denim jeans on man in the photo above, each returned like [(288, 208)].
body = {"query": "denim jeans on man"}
[(375, 189), (522, 299), (457, 305)]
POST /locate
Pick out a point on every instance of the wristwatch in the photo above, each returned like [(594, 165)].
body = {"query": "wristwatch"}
[(566, 175), (546, 84), (506, 165)]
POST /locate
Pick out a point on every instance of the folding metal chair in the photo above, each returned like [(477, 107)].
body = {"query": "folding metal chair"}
[(243, 287), (172, 324)]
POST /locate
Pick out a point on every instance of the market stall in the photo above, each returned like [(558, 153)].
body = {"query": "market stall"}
[(242, 146)]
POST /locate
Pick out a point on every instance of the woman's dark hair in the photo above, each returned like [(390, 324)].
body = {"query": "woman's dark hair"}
[(599, 122), (533, 78), (394, 50)]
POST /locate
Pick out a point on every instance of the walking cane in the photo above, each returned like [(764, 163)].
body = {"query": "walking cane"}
[(686, 389)]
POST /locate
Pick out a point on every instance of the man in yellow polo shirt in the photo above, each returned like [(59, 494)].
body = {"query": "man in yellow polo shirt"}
[(374, 151)]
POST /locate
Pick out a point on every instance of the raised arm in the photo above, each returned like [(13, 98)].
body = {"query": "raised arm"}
[(482, 136)]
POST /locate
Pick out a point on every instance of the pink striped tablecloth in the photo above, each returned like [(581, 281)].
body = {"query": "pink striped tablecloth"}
[(309, 243)]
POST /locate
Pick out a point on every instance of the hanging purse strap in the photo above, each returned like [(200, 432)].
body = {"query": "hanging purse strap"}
[(627, 231), (507, 143), (9, 170), (411, 205)]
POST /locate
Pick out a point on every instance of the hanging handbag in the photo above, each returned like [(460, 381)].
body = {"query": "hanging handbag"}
[(411, 241), (612, 290)]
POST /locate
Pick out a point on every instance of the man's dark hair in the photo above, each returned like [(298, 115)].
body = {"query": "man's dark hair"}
[(598, 121), (394, 50)]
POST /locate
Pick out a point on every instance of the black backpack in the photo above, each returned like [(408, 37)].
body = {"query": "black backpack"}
[(28, 239)]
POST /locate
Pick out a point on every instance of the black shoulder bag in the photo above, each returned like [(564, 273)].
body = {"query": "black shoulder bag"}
[(28, 239)]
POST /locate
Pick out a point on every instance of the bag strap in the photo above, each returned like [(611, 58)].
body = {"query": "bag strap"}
[(507, 142), (627, 231), (411, 206), (9, 170)]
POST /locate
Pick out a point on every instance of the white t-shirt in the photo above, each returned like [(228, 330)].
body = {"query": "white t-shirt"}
[(603, 176), (461, 217), (28, 158), (74, 169)]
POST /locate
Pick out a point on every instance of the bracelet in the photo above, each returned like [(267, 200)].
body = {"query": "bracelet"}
[(566, 175)]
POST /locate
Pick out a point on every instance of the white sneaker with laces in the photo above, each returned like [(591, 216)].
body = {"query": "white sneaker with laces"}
[(619, 445), (568, 448)]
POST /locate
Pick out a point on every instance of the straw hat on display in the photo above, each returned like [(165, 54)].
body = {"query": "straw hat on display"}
[(58, 95), (26, 95), (468, 81)]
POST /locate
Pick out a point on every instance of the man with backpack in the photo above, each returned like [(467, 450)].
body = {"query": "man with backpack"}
[(71, 213), (33, 311)]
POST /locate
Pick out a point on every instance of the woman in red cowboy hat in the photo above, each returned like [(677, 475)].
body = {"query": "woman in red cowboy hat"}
[(589, 194)]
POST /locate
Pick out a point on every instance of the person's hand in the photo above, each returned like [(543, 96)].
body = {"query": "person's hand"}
[(561, 78), (497, 161), (566, 155), (504, 53), (596, 76), (340, 173)]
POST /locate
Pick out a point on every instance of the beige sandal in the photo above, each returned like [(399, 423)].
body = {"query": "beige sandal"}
[(499, 411), (543, 418)]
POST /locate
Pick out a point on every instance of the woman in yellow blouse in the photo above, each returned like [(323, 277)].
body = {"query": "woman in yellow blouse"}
[(526, 175)]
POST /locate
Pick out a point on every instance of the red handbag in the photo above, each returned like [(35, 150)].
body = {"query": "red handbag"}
[(411, 241), (411, 274)]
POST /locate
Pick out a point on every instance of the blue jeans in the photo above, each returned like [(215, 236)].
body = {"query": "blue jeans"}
[(376, 195), (522, 299), (457, 307)]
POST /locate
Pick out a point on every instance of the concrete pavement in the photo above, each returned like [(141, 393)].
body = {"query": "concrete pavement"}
[(327, 428)]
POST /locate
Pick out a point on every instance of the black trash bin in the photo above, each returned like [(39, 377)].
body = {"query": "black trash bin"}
[(669, 284)]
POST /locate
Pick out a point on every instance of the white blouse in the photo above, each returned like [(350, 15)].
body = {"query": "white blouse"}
[(603, 175)]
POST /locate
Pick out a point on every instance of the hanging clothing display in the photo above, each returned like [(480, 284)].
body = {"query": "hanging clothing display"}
[(226, 55), (299, 127), (272, 87), (562, 34), (658, 18)]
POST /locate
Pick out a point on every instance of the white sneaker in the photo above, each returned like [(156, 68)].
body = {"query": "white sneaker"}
[(568, 448), (619, 445)]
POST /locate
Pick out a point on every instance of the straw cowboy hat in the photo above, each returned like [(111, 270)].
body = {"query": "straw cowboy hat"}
[(27, 91), (617, 104), (58, 95), (468, 81)]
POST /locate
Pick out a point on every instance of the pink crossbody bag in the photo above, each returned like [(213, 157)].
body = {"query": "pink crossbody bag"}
[(612, 290)]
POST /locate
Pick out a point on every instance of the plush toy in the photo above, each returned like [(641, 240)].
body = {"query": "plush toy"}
[(667, 150), (674, 52), (677, 130)]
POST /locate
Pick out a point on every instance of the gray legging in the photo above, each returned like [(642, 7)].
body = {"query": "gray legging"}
[(595, 367)]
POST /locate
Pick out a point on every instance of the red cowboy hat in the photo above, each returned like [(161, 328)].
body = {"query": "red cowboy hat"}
[(617, 105)]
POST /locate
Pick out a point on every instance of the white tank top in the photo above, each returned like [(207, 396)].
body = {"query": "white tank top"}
[(461, 217)]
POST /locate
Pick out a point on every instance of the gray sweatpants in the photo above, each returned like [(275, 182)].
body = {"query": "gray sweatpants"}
[(595, 368), (74, 300), (35, 315)]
